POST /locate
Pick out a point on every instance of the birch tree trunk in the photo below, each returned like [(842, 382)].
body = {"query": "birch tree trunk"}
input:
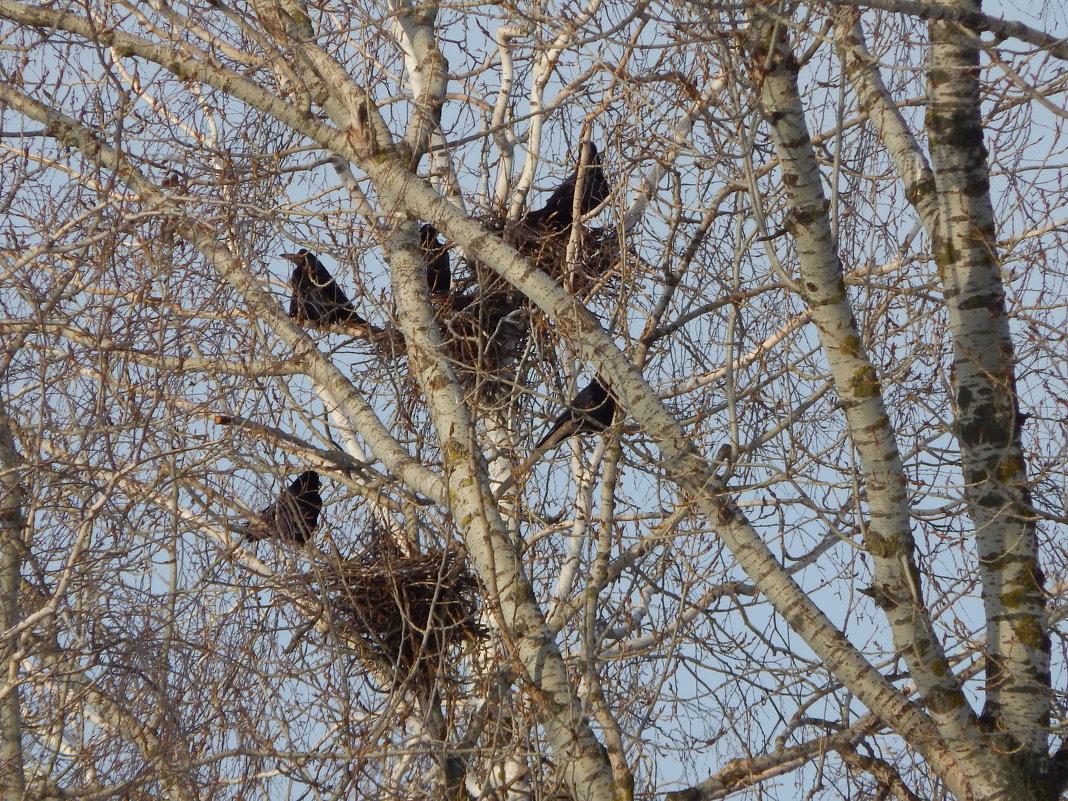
[(12, 546)]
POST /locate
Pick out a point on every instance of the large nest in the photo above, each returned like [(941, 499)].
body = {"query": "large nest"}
[(405, 614), (596, 252), (484, 328), (485, 322)]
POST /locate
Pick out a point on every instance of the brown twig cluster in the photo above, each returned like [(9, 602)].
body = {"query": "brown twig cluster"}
[(404, 614), (597, 252), (486, 322)]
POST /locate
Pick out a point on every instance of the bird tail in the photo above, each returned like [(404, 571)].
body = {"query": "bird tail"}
[(546, 438)]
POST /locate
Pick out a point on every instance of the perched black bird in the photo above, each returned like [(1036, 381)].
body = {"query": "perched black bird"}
[(590, 411), (436, 260), (317, 298), (294, 516), (557, 212)]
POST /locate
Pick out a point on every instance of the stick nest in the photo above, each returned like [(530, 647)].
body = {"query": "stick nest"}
[(485, 322), (405, 614)]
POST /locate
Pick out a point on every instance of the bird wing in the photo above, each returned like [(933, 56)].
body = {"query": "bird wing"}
[(591, 410), (558, 208), (564, 426), (438, 274)]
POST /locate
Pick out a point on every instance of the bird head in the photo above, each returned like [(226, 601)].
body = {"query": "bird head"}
[(308, 480), (300, 257), (428, 234)]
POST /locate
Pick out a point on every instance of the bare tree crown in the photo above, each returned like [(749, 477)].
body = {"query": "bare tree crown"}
[(532, 401)]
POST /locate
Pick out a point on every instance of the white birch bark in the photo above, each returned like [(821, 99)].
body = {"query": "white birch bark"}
[(903, 147), (971, 17), (582, 758), (427, 75), (888, 536), (987, 406)]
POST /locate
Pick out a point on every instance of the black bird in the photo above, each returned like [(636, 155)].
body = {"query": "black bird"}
[(294, 516), (436, 260), (557, 212), (317, 298), (589, 412)]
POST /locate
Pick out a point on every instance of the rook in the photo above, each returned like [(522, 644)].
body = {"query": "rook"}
[(294, 516), (589, 412), (435, 260), (558, 211), (317, 299)]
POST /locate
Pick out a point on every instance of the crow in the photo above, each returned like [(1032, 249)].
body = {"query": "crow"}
[(435, 260), (589, 412), (317, 299), (557, 213), (294, 516)]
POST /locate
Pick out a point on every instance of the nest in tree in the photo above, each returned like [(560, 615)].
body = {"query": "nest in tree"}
[(596, 253), (405, 613), (485, 322), (484, 330)]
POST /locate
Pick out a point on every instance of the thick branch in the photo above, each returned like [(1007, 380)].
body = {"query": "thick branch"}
[(12, 547), (582, 758), (428, 74), (750, 771), (969, 16), (987, 405), (886, 118), (153, 359), (888, 537)]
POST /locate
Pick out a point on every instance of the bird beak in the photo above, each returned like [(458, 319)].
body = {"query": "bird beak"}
[(293, 257)]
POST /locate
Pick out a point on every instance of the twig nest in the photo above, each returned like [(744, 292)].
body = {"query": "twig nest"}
[(405, 613)]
